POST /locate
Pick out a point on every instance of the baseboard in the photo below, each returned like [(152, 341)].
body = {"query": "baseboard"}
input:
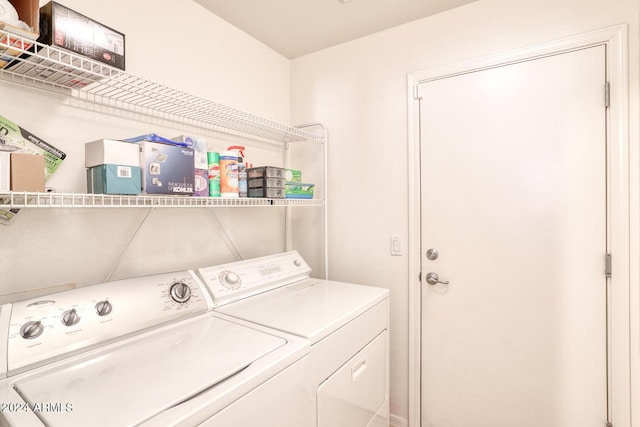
[(396, 421)]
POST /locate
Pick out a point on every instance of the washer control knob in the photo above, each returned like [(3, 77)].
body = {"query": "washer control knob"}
[(230, 280), (70, 317), (180, 292), (31, 330), (104, 308), (297, 263)]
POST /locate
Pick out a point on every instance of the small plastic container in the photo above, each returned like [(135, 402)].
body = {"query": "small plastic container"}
[(270, 193), (267, 182), (266, 172)]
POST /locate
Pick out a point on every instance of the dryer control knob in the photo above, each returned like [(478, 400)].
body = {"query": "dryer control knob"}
[(180, 292), (104, 308), (297, 263), (230, 280), (70, 317), (31, 330)]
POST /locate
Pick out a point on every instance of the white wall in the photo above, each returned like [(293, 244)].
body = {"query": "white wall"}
[(181, 45), (358, 90)]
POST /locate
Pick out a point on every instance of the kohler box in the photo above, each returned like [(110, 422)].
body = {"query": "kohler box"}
[(166, 168)]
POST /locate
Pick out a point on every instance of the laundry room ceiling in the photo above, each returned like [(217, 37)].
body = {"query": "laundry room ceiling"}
[(298, 27)]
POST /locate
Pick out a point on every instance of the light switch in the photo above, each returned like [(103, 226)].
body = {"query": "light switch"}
[(396, 245)]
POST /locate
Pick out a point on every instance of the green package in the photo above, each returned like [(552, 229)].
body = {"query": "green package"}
[(298, 190), (15, 138)]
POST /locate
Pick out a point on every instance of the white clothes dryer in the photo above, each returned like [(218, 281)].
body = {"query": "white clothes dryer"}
[(347, 326), (146, 352)]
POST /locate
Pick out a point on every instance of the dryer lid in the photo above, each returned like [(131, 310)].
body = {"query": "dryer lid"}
[(310, 308), (143, 377)]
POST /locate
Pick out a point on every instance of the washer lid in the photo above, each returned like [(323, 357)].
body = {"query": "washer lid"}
[(139, 379), (310, 308)]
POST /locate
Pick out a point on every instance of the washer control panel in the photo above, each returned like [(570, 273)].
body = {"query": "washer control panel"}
[(242, 279), (67, 322)]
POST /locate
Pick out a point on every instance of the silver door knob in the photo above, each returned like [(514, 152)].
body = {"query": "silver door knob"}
[(434, 279)]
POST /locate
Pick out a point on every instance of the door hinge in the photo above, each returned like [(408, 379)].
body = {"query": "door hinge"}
[(420, 277), (607, 94), (416, 93), (607, 265)]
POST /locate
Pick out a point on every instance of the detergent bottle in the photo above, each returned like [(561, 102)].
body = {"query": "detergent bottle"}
[(228, 174)]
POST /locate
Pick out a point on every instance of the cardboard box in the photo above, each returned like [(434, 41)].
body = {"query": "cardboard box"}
[(89, 38), (114, 179), (199, 146), (111, 152), (201, 183), (27, 172), (5, 171), (28, 12), (13, 135), (166, 169), (11, 46)]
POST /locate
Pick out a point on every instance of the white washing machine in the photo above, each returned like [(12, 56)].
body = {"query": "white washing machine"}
[(147, 352), (346, 324)]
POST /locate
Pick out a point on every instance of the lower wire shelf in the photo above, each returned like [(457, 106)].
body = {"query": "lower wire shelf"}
[(14, 200)]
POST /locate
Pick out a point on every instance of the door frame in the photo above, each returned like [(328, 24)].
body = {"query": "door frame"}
[(622, 190)]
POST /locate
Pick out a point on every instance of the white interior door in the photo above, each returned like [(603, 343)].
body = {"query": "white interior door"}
[(514, 200)]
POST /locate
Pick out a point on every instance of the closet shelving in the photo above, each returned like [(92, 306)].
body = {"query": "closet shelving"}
[(94, 84)]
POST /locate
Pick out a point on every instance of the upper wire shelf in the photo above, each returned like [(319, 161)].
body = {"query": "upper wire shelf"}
[(60, 71)]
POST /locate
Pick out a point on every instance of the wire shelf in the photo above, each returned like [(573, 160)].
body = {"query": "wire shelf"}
[(19, 200), (63, 72)]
